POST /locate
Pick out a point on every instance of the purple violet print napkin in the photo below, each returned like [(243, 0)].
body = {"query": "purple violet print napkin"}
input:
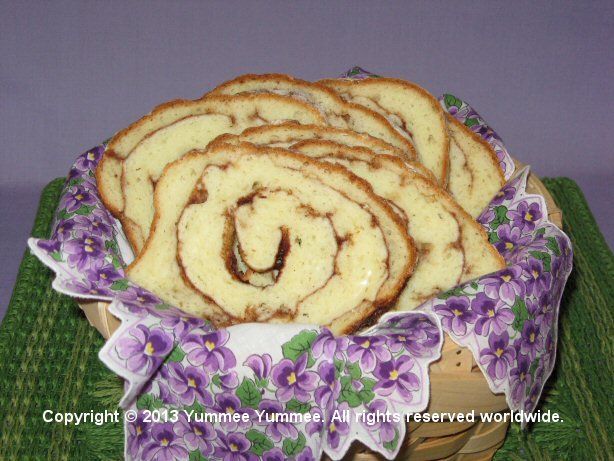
[(179, 367)]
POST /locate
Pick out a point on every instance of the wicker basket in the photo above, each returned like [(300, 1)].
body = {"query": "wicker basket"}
[(457, 385)]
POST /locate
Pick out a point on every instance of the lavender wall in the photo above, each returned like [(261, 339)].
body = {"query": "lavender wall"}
[(72, 73)]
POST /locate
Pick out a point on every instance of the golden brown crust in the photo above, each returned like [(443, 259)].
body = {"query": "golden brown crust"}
[(319, 131), (221, 318), (384, 297), (476, 137), (407, 147), (460, 214), (340, 83), (202, 106), (113, 144), (414, 167), (108, 158), (176, 103)]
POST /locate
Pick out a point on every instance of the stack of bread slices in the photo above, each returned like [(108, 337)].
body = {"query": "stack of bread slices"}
[(273, 199)]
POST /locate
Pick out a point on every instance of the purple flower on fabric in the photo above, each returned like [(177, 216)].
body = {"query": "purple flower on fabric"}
[(493, 314), (164, 445), (305, 455), (498, 356), (274, 454), (328, 345), (549, 343), (459, 112), (417, 335), (506, 194), (181, 324), (93, 224), (144, 348), (531, 340), (455, 314), (86, 287), (260, 364), (233, 446), (208, 350), (164, 391), (382, 426), (293, 379), (520, 378), (82, 251), (227, 402), (510, 239), (229, 381), (89, 160), (542, 310), (337, 429), (537, 242), (189, 384), (487, 216), (315, 426), (275, 430), (516, 345), (102, 275), (137, 297), (138, 432), (525, 215), (64, 230), (369, 350), (556, 265), (50, 246), (197, 435), (327, 394), (538, 280), (532, 398), (395, 375), (80, 196), (74, 173), (505, 284), (478, 127)]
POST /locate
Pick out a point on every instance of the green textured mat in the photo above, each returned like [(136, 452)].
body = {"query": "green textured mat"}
[(48, 359)]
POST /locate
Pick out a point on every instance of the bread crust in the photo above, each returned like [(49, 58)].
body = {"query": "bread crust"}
[(102, 174), (203, 106), (366, 313), (407, 175), (384, 297), (219, 318), (348, 83), (491, 154), (286, 132), (344, 107)]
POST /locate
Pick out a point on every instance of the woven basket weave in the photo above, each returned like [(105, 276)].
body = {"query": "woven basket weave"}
[(457, 386)]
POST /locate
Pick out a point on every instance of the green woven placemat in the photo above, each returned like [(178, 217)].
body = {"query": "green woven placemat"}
[(48, 359)]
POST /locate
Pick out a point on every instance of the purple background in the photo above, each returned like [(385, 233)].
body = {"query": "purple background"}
[(73, 73)]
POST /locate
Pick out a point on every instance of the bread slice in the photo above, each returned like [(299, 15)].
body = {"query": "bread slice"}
[(475, 173), (335, 251), (187, 125), (337, 112), (452, 247), (286, 134), (411, 109), (155, 267), (109, 180)]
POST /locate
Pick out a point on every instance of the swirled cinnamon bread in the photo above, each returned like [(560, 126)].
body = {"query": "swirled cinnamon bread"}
[(337, 112), (475, 173), (170, 131), (268, 235), (287, 134), (412, 110), (452, 247)]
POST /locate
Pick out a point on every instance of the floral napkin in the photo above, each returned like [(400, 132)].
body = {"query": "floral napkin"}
[(177, 366)]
